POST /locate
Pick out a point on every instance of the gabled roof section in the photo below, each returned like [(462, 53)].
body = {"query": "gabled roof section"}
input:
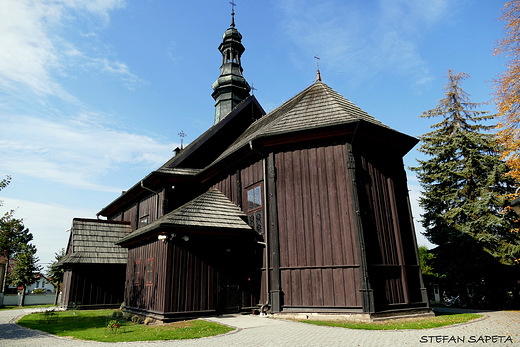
[(211, 210), (208, 146), (317, 106), (93, 242)]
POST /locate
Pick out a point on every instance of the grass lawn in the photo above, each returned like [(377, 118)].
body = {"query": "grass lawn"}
[(93, 325), (439, 320)]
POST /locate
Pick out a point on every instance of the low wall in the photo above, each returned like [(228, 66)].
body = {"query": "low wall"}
[(30, 299)]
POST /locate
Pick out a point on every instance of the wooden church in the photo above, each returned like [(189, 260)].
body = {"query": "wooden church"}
[(304, 209)]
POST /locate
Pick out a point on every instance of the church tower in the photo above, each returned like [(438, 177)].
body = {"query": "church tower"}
[(231, 87)]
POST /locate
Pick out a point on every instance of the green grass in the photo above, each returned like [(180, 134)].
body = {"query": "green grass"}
[(399, 324), (22, 307), (92, 325)]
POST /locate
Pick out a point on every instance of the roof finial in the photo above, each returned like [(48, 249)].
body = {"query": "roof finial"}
[(182, 135), (318, 74), (232, 2)]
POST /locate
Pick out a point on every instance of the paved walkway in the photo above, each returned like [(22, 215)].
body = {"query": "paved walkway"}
[(496, 329)]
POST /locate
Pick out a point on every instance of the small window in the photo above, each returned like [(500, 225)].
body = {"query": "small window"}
[(137, 271), (143, 221), (150, 264), (255, 208)]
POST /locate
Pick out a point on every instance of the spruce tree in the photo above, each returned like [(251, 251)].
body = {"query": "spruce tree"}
[(463, 184)]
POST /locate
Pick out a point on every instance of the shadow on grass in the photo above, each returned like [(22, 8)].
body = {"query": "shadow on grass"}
[(69, 321), (101, 325)]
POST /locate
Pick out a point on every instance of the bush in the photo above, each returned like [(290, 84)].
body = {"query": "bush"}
[(137, 319), (117, 314)]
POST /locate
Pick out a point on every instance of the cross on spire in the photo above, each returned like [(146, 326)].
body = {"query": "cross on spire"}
[(318, 74), (253, 89), (182, 136), (232, 2)]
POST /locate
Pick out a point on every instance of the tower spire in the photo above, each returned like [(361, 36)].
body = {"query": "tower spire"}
[(231, 87)]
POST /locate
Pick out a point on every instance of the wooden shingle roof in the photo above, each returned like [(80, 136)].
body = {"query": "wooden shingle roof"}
[(92, 241), (211, 210), (315, 107)]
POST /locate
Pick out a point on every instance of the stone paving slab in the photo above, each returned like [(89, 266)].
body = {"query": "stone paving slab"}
[(495, 329)]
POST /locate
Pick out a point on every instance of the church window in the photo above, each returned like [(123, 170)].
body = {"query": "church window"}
[(137, 271), (255, 208), (150, 265)]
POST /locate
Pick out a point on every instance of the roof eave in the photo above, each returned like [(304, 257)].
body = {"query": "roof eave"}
[(168, 228), (151, 180)]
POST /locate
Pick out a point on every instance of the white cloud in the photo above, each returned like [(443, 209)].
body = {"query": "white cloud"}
[(74, 152), (364, 41), (33, 49)]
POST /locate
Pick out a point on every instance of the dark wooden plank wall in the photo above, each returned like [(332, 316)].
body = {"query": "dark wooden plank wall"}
[(192, 283), (138, 293), (247, 176), (150, 205), (319, 257), (129, 214), (228, 186), (252, 174), (95, 285), (391, 252), (182, 282), (67, 277)]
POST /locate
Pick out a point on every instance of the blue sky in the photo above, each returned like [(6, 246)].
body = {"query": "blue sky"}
[(93, 93)]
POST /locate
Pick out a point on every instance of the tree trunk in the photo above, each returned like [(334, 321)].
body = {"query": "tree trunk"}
[(22, 300), (4, 279)]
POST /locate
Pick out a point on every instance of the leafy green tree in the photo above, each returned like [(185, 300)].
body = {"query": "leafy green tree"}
[(426, 259), (26, 269), (463, 184), (55, 273), (13, 237)]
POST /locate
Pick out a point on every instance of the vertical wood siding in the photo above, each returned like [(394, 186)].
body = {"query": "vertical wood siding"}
[(95, 285), (253, 291), (194, 276), (391, 254), (139, 294), (252, 174), (191, 283), (319, 258), (67, 278), (130, 215), (150, 205), (228, 187)]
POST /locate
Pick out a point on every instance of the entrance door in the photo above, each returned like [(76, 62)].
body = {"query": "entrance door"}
[(229, 296)]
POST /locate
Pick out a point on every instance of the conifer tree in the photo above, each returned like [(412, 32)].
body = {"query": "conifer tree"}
[(463, 184), (55, 273)]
